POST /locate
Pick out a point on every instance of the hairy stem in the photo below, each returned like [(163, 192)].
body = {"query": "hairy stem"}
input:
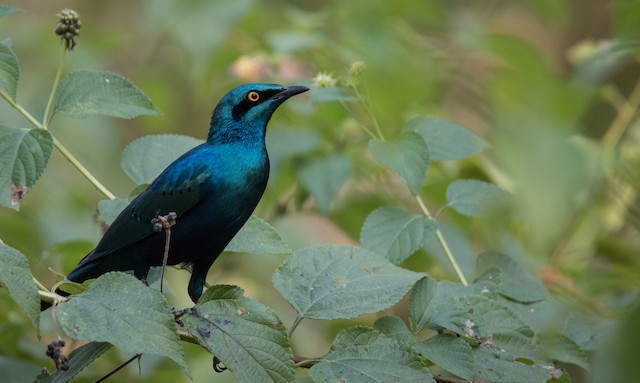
[(443, 243), (295, 324), (86, 173), (47, 118), (65, 152), (626, 111)]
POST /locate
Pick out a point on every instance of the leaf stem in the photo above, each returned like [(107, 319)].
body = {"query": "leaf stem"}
[(74, 161), (20, 109), (295, 324), (39, 284), (626, 112), (443, 243), (47, 118)]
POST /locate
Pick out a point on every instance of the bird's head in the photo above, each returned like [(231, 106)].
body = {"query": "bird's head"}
[(247, 108)]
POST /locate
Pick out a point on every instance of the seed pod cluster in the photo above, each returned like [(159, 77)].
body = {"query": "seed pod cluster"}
[(68, 27)]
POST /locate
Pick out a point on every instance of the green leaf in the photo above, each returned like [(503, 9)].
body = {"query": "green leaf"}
[(9, 71), (394, 327), (143, 159), (16, 276), (79, 358), (244, 334), (328, 282), (407, 156), (439, 305), (590, 332), (363, 355), (396, 234), (475, 198), (6, 10), (119, 309), (324, 178), (85, 93), (499, 366), (446, 140), (561, 348), (24, 154), (450, 352), (258, 237), (515, 282), (331, 94), (16, 370), (109, 209)]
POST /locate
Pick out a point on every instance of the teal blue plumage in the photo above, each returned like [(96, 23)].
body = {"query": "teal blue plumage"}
[(213, 189)]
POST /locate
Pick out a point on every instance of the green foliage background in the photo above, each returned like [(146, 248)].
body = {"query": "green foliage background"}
[(552, 86)]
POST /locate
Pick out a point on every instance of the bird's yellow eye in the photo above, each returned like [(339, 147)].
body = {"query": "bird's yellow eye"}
[(253, 96)]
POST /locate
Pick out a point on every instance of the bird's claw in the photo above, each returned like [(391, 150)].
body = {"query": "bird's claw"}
[(179, 313)]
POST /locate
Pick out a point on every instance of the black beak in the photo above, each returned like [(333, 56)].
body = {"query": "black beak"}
[(289, 91)]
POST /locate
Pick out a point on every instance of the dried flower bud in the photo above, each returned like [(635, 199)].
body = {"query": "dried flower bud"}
[(68, 27)]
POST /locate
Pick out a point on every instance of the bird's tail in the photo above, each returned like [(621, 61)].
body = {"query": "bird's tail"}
[(79, 274)]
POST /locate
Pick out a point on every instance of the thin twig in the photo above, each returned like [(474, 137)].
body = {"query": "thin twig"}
[(626, 112), (443, 243), (159, 223), (47, 118), (295, 324), (120, 367)]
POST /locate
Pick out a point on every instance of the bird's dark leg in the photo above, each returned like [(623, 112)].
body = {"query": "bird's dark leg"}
[(141, 272), (198, 278)]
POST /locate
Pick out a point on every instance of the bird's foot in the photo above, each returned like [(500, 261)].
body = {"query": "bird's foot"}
[(217, 365), (179, 313)]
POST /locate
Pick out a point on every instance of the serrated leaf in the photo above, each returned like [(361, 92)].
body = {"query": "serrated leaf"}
[(475, 198), (589, 332), (143, 159), (439, 305), (109, 209), (372, 359), (221, 292), (396, 234), (491, 317), (119, 309), (449, 352), (9, 71), (85, 93), (515, 283), (6, 10), (446, 140), (258, 237), (244, 334), (24, 154), (79, 358), (331, 94), (324, 178), (7, 42), (561, 348), (407, 156), (328, 282), (394, 327), (16, 276), (498, 366)]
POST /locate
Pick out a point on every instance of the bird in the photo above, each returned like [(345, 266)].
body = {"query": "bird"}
[(211, 191)]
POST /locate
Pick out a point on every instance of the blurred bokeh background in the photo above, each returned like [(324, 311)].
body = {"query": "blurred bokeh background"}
[(552, 85)]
